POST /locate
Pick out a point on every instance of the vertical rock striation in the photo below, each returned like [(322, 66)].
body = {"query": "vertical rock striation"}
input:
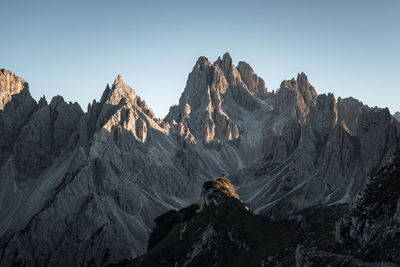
[(84, 188)]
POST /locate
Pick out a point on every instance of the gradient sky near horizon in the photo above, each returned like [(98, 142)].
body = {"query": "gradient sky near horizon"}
[(74, 48)]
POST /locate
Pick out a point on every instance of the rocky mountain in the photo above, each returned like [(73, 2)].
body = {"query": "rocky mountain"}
[(397, 115), (322, 155), (84, 188), (83, 185), (222, 231), (369, 233)]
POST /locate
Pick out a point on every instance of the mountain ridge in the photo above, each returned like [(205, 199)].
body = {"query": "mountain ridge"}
[(100, 178)]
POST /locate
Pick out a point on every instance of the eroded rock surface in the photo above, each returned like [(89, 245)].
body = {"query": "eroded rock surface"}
[(85, 188)]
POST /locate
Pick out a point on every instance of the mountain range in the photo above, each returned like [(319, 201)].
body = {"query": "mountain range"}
[(84, 188)]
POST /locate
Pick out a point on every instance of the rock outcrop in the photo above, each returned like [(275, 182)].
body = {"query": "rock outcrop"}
[(219, 232), (216, 192)]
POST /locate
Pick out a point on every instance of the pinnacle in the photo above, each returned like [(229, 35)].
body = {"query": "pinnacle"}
[(119, 80), (119, 90), (302, 77), (202, 63), (227, 57)]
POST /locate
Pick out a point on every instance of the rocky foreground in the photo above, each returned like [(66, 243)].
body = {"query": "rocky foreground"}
[(221, 231), (218, 231), (84, 187)]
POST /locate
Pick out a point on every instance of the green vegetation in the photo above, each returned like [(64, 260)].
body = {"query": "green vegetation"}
[(238, 238)]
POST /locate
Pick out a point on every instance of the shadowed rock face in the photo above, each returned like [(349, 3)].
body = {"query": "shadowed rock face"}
[(397, 115), (255, 84), (16, 105), (369, 233), (220, 232), (322, 154), (295, 97), (50, 130), (85, 188)]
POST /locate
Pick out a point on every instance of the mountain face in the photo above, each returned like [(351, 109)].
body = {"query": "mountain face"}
[(98, 191), (397, 115), (369, 233), (221, 231), (323, 155), (83, 188)]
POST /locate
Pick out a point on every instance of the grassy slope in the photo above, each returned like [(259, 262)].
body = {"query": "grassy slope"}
[(262, 236)]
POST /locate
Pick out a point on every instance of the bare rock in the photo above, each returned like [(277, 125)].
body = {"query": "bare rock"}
[(47, 133), (296, 97), (397, 115), (16, 106), (255, 84)]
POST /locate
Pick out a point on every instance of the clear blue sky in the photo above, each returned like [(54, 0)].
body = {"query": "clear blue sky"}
[(74, 48)]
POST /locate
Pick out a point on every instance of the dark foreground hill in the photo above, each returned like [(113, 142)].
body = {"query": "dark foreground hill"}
[(221, 231)]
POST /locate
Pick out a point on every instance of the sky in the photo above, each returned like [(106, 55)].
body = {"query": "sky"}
[(74, 48)]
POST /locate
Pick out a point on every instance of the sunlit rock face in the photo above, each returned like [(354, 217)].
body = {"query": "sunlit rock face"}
[(369, 233), (212, 92), (16, 105), (216, 192), (102, 188), (85, 187)]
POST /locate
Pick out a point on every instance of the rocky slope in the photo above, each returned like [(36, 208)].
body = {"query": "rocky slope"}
[(397, 115), (117, 171), (84, 188), (220, 231), (323, 153), (368, 234)]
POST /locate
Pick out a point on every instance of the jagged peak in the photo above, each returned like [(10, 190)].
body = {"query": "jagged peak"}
[(255, 84), (302, 77), (226, 63), (244, 64), (42, 102), (119, 83), (105, 94), (11, 84), (56, 100), (202, 63), (120, 91), (303, 86), (397, 115), (11, 74), (227, 58)]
